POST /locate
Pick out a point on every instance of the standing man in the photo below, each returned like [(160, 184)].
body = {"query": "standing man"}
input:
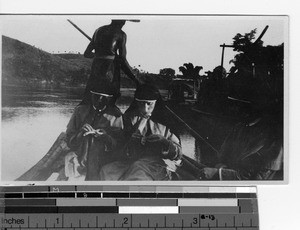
[(109, 45)]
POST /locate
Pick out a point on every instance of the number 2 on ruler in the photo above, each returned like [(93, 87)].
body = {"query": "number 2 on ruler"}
[(125, 220)]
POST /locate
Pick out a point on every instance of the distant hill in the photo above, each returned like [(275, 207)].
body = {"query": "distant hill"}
[(26, 65), (77, 59)]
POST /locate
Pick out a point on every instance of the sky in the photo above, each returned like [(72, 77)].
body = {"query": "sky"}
[(156, 42)]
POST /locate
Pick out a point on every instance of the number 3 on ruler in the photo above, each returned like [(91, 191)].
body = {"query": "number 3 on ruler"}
[(195, 220)]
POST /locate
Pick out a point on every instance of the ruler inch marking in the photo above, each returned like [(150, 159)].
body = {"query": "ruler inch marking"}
[(199, 221), (222, 221)]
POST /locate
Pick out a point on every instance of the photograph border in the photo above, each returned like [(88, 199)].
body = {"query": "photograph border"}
[(192, 183)]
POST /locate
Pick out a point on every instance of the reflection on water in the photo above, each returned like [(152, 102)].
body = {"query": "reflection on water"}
[(188, 144), (27, 137), (33, 119)]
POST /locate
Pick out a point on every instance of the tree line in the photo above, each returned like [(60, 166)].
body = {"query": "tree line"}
[(256, 75)]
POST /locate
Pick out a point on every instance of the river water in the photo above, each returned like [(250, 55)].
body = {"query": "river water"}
[(32, 119)]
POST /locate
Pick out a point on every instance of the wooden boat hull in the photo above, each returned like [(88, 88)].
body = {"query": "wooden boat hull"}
[(52, 162)]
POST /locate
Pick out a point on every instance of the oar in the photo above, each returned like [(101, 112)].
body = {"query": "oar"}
[(80, 30), (189, 164), (196, 134), (87, 36), (261, 35)]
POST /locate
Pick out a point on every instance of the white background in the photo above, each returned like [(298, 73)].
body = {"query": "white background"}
[(279, 205)]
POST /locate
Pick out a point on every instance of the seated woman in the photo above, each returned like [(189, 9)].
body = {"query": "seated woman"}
[(151, 151), (94, 133)]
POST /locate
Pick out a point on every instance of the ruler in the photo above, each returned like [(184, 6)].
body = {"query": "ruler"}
[(138, 207)]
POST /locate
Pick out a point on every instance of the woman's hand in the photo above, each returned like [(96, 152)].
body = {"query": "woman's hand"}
[(158, 140), (87, 129), (138, 136), (99, 132)]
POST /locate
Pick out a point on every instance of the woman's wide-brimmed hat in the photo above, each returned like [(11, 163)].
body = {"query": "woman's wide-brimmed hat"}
[(105, 88), (147, 92)]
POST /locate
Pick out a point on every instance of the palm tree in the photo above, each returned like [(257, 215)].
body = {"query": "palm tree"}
[(190, 72)]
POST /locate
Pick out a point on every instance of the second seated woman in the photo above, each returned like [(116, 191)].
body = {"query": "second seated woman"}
[(152, 151)]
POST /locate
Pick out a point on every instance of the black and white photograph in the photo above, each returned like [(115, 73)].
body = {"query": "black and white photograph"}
[(102, 98)]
